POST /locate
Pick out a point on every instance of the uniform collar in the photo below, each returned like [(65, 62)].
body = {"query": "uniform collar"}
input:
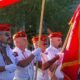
[(19, 49), (53, 47)]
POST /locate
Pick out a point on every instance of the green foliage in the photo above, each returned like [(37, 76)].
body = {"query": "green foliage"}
[(26, 14), (57, 15)]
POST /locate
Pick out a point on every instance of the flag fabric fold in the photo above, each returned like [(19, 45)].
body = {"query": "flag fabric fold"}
[(5, 3), (70, 64)]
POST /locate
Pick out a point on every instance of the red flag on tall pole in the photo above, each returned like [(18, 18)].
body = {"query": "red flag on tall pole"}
[(5, 3), (70, 64), (73, 17)]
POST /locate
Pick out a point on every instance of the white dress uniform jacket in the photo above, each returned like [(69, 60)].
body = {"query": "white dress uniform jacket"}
[(52, 52), (6, 75), (27, 72)]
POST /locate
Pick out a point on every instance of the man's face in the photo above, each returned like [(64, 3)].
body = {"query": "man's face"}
[(5, 37), (56, 42), (35, 45), (22, 41), (42, 45)]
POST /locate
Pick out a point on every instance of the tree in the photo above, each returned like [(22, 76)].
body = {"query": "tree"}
[(56, 16)]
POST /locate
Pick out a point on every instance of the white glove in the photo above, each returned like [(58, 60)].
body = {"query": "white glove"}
[(61, 56), (38, 57), (10, 67), (36, 52)]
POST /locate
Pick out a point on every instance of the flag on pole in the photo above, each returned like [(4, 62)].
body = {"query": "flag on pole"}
[(5, 3), (70, 64), (73, 17)]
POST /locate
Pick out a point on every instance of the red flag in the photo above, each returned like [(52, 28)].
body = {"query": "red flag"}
[(70, 63), (5, 3), (73, 17)]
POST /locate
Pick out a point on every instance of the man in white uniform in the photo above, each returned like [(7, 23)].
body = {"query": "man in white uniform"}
[(53, 50), (7, 60), (24, 57), (43, 70)]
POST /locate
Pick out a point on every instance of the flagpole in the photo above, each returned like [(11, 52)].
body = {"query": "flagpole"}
[(66, 39), (41, 20), (40, 32)]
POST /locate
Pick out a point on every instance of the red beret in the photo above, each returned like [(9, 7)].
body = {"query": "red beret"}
[(36, 38), (43, 38), (55, 34), (5, 27), (19, 34)]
